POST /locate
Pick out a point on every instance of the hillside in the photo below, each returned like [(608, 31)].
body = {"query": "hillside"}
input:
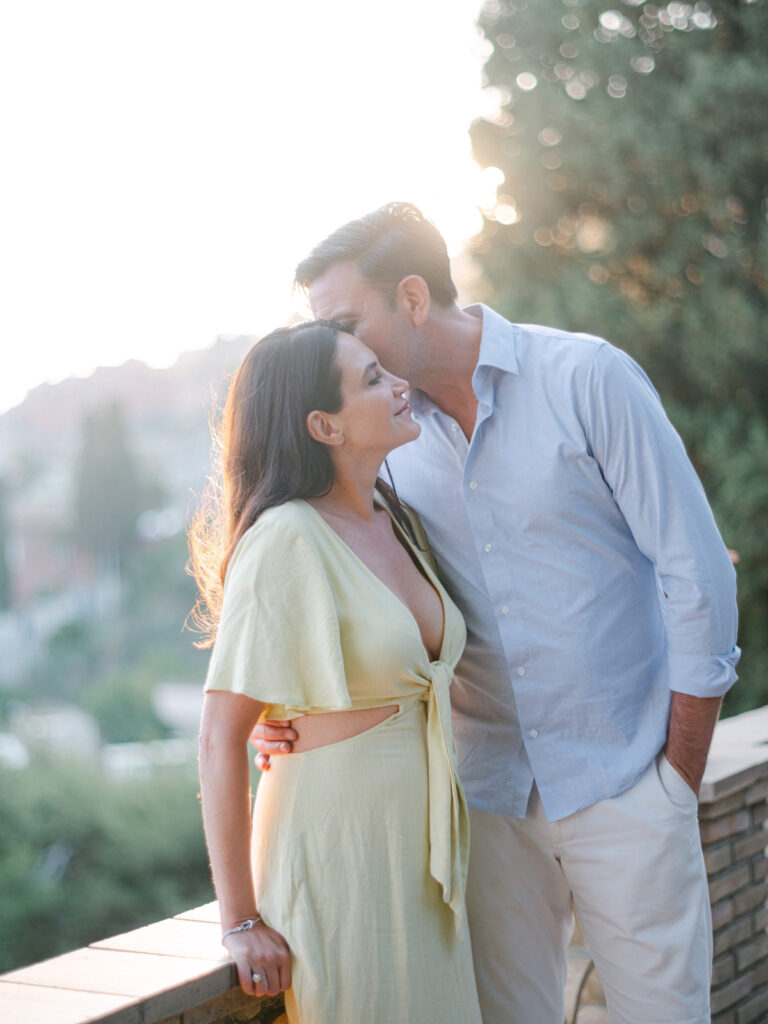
[(167, 410), (166, 414)]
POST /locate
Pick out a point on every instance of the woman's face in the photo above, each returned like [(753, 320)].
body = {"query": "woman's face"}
[(375, 416)]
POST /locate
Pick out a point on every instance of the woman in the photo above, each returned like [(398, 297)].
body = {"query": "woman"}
[(354, 900)]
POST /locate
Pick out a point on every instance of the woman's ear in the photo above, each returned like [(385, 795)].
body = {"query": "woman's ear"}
[(321, 428), (412, 296)]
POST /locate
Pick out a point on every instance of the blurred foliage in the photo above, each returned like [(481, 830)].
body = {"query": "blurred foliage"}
[(6, 596), (82, 858), (142, 644), (121, 702), (73, 657), (632, 154), (159, 594), (111, 489)]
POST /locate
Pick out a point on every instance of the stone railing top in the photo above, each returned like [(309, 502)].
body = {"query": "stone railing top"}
[(738, 756), (140, 977)]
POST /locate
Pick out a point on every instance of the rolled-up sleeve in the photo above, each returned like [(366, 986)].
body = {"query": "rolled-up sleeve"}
[(644, 462)]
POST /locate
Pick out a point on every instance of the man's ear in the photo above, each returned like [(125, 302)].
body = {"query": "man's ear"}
[(412, 296), (322, 428)]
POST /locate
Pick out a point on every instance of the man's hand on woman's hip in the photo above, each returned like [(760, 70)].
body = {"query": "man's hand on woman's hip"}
[(271, 738)]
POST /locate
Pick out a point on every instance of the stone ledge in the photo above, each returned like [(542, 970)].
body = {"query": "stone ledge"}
[(152, 974), (738, 757)]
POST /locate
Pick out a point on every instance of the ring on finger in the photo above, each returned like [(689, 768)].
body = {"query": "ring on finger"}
[(257, 977)]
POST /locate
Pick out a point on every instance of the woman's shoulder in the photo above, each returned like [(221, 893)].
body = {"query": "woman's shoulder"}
[(295, 515), (284, 531)]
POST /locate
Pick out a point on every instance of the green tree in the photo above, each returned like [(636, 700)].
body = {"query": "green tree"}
[(82, 858), (632, 153), (111, 489), (121, 702), (109, 666), (6, 592)]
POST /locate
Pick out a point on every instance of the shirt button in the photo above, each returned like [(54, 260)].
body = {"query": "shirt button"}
[(454, 426), (473, 485), (505, 610), (533, 733), (487, 547), (521, 671)]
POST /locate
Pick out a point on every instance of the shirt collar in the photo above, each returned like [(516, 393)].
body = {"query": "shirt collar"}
[(497, 342), (497, 349)]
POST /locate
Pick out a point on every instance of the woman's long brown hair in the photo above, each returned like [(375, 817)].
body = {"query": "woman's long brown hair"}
[(265, 453)]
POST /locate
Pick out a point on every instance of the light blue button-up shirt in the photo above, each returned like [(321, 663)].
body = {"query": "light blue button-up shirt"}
[(575, 536)]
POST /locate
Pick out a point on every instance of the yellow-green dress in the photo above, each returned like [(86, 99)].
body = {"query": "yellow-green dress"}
[(359, 847)]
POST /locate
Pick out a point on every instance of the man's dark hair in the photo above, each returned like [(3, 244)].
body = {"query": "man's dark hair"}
[(386, 246)]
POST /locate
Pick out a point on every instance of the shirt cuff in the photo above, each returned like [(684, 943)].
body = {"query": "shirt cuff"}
[(703, 675)]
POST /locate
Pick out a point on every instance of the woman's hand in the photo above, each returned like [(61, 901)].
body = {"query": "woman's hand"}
[(263, 960)]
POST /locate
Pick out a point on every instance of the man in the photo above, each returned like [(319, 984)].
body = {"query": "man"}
[(571, 529)]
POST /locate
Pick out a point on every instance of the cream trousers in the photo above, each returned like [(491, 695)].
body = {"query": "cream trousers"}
[(633, 870)]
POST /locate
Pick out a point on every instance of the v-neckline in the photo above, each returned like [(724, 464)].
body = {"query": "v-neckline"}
[(430, 576)]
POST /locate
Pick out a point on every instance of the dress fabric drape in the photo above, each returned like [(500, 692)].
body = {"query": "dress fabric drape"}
[(360, 847)]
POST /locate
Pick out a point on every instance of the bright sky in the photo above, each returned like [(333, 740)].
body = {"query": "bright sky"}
[(168, 163)]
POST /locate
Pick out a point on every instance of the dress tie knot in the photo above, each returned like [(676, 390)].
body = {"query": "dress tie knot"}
[(448, 826)]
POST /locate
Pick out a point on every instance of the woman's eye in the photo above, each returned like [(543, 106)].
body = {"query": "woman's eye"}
[(375, 379)]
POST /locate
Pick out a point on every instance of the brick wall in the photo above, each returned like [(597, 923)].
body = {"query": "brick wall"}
[(733, 812)]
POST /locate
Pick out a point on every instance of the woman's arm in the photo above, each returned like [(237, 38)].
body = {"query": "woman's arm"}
[(225, 789)]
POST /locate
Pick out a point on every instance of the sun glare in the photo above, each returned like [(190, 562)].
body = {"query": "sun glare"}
[(172, 163)]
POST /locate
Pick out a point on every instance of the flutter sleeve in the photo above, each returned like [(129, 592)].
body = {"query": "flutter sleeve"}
[(278, 639)]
